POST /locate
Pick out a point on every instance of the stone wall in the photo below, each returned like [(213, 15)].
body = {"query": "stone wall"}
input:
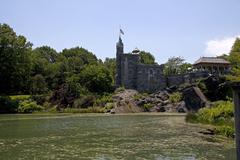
[(131, 74), (176, 80), (129, 70), (150, 77)]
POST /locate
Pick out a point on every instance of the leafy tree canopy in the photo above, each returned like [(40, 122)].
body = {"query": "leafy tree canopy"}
[(147, 58), (176, 65), (234, 59), (15, 61), (96, 78), (110, 63)]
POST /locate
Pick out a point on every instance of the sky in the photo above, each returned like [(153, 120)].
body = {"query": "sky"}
[(166, 28)]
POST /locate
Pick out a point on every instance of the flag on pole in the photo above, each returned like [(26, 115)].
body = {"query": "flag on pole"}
[(121, 31)]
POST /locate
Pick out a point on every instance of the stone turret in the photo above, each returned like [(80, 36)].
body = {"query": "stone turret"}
[(119, 53)]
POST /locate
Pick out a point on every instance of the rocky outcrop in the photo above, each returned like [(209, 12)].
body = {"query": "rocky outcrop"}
[(130, 101), (194, 98), (171, 107), (123, 102), (160, 103)]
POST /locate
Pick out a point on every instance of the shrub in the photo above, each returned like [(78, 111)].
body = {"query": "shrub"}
[(29, 107), (147, 107), (7, 105), (192, 117), (119, 89), (40, 99), (109, 106), (227, 131), (20, 97), (84, 101), (137, 97), (103, 100), (175, 97), (220, 112)]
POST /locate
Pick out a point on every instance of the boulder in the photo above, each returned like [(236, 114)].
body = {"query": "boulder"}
[(194, 98)]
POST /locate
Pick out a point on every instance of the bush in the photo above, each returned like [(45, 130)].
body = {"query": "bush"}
[(7, 105), (227, 131), (175, 97), (84, 101), (103, 100), (192, 117), (147, 107), (108, 107), (40, 99), (29, 107), (220, 114), (20, 97)]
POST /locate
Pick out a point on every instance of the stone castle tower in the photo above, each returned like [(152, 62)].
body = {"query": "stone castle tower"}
[(132, 74), (119, 48)]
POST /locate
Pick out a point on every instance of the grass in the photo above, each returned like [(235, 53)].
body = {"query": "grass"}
[(84, 110), (220, 115)]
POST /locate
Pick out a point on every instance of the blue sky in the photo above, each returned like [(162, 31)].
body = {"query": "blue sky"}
[(166, 28)]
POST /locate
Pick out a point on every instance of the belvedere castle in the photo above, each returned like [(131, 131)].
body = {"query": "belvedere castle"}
[(132, 74)]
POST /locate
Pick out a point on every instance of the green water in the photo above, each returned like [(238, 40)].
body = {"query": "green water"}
[(90, 136)]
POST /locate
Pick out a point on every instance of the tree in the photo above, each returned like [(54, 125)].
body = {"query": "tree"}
[(110, 63), (46, 53), (185, 68), (96, 78), (39, 85), (66, 94), (78, 57), (234, 59), (15, 61), (176, 65), (146, 58), (234, 56)]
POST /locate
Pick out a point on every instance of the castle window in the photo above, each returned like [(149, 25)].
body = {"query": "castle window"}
[(151, 72)]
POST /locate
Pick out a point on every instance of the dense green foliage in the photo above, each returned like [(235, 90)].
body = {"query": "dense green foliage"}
[(110, 63), (29, 107), (176, 65), (146, 58), (53, 79), (96, 78), (15, 61), (234, 58), (7, 105), (220, 114)]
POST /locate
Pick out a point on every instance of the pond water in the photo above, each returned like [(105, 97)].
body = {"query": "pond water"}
[(99, 136)]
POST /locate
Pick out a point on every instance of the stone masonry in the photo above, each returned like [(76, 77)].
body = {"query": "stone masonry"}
[(132, 74)]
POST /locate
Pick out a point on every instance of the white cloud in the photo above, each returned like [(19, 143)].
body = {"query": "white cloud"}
[(219, 46)]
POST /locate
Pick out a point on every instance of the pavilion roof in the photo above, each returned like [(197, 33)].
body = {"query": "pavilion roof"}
[(214, 60)]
